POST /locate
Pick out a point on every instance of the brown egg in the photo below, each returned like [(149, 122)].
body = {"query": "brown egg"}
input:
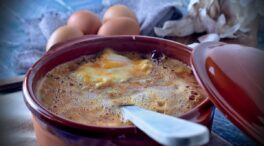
[(119, 11), (119, 26), (86, 21), (62, 34)]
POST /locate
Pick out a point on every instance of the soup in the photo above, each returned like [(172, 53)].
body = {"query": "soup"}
[(90, 89)]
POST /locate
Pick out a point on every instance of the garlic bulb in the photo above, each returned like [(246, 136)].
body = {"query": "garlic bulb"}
[(222, 17)]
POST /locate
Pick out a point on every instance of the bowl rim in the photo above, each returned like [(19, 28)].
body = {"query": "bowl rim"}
[(41, 112)]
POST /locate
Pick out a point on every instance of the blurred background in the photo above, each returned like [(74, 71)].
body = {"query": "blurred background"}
[(26, 25)]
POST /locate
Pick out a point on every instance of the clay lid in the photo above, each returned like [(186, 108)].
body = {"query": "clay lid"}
[(233, 76)]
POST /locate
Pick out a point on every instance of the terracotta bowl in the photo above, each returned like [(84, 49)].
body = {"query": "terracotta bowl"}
[(52, 130)]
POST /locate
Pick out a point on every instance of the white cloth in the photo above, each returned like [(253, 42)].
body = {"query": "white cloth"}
[(16, 125)]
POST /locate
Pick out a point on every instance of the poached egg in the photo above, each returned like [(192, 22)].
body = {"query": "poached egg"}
[(112, 67)]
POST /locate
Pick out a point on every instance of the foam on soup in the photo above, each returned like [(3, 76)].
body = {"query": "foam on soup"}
[(90, 89)]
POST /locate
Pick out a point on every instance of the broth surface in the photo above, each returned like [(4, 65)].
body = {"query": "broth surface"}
[(90, 89)]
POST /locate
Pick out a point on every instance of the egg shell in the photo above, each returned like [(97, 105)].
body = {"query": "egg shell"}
[(119, 26), (62, 34), (119, 11), (86, 21)]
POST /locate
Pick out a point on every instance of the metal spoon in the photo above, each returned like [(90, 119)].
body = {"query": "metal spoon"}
[(164, 129)]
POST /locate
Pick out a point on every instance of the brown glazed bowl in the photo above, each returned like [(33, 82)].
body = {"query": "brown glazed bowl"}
[(52, 130)]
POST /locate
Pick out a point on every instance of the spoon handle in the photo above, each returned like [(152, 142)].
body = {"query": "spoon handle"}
[(164, 129)]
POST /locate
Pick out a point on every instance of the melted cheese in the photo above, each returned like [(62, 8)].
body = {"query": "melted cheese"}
[(111, 67)]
